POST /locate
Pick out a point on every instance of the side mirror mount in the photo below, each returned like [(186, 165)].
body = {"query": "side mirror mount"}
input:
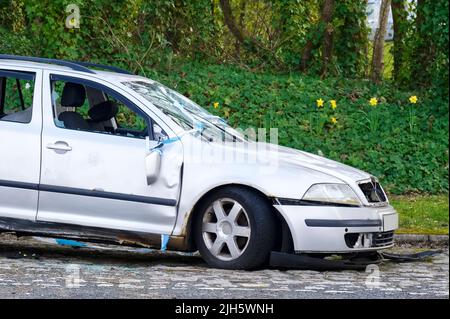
[(153, 163)]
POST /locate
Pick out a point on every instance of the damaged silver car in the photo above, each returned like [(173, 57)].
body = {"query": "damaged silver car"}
[(107, 156)]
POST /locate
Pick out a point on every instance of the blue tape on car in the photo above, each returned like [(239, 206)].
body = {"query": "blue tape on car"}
[(178, 138), (171, 140), (71, 243), (199, 126), (164, 242)]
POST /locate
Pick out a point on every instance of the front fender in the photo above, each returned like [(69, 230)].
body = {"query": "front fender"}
[(201, 178)]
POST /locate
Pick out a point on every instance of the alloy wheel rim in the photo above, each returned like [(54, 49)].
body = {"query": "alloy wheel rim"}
[(226, 229)]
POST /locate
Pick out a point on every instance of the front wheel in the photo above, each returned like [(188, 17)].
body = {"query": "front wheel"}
[(235, 229)]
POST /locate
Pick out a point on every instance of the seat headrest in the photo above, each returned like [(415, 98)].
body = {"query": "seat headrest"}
[(103, 111), (73, 95)]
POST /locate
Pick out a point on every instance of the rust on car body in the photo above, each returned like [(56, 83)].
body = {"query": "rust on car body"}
[(92, 234)]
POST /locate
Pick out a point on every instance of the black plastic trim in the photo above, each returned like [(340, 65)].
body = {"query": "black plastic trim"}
[(108, 195), (21, 75), (302, 202), (90, 193), (102, 66), (73, 65), (22, 185), (343, 222)]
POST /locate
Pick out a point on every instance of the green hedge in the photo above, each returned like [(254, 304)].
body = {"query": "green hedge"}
[(404, 144)]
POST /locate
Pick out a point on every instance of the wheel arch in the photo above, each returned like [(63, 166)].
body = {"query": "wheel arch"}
[(285, 238)]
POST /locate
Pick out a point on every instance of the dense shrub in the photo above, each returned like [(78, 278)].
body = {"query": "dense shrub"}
[(140, 33), (404, 144)]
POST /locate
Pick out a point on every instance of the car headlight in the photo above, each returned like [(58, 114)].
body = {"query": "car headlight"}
[(340, 194)]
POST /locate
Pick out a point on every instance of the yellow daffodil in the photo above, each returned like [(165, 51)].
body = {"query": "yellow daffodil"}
[(413, 99), (320, 103), (333, 120), (373, 101), (333, 104), (216, 105)]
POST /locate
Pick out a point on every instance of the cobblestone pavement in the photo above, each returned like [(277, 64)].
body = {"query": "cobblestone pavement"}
[(32, 269)]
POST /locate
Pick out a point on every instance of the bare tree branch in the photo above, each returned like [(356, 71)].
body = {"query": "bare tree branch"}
[(242, 36)]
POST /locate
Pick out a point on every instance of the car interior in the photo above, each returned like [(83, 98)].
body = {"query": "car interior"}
[(16, 99), (80, 107)]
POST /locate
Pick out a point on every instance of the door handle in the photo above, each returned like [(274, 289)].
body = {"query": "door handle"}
[(59, 147)]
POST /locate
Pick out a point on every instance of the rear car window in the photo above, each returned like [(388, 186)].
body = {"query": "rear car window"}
[(16, 96)]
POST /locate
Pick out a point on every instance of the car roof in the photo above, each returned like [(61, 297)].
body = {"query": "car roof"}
[(108, 75)]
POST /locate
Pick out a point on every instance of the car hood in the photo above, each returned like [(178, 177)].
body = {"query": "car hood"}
[(318, 163), (285, 157)]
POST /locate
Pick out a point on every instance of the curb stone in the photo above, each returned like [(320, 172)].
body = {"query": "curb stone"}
[(417, 238)]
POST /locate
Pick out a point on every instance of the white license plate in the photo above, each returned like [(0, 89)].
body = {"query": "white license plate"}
[(390, 222)]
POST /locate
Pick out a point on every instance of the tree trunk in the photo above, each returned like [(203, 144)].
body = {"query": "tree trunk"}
[(378, 43), (400, 16), (231, 22), (327, 36), (325, 19), (241, 26), (306, 56), (424, 48)]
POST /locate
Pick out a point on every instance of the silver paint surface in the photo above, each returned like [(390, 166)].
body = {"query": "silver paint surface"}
[(190, 168)]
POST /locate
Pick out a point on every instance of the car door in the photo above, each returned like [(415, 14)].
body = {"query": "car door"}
[(20, 142), (99, 179)]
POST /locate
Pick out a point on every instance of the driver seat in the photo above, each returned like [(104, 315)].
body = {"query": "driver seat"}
[(101, 113), (73, 96)]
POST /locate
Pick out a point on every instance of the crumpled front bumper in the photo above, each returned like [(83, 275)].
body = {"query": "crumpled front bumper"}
[(329, 229)]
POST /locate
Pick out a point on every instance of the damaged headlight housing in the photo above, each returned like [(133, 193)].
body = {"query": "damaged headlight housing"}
[(340, 194)]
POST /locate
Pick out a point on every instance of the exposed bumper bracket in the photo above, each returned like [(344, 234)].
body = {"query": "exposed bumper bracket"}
[(306, 262), (410, 257), (355, 262)]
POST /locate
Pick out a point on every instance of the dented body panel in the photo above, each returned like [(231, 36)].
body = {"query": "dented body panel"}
[(263, 174), (98, 191), (23, 227), (105, 163), (323, 230)]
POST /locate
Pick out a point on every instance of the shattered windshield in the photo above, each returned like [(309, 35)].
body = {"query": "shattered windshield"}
[(186, 113)]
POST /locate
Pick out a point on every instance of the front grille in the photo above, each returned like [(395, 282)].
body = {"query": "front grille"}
[(373, 191), (369, 240), (383, 239)]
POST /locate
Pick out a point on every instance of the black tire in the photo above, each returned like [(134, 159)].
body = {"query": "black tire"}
[(263, 225)]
